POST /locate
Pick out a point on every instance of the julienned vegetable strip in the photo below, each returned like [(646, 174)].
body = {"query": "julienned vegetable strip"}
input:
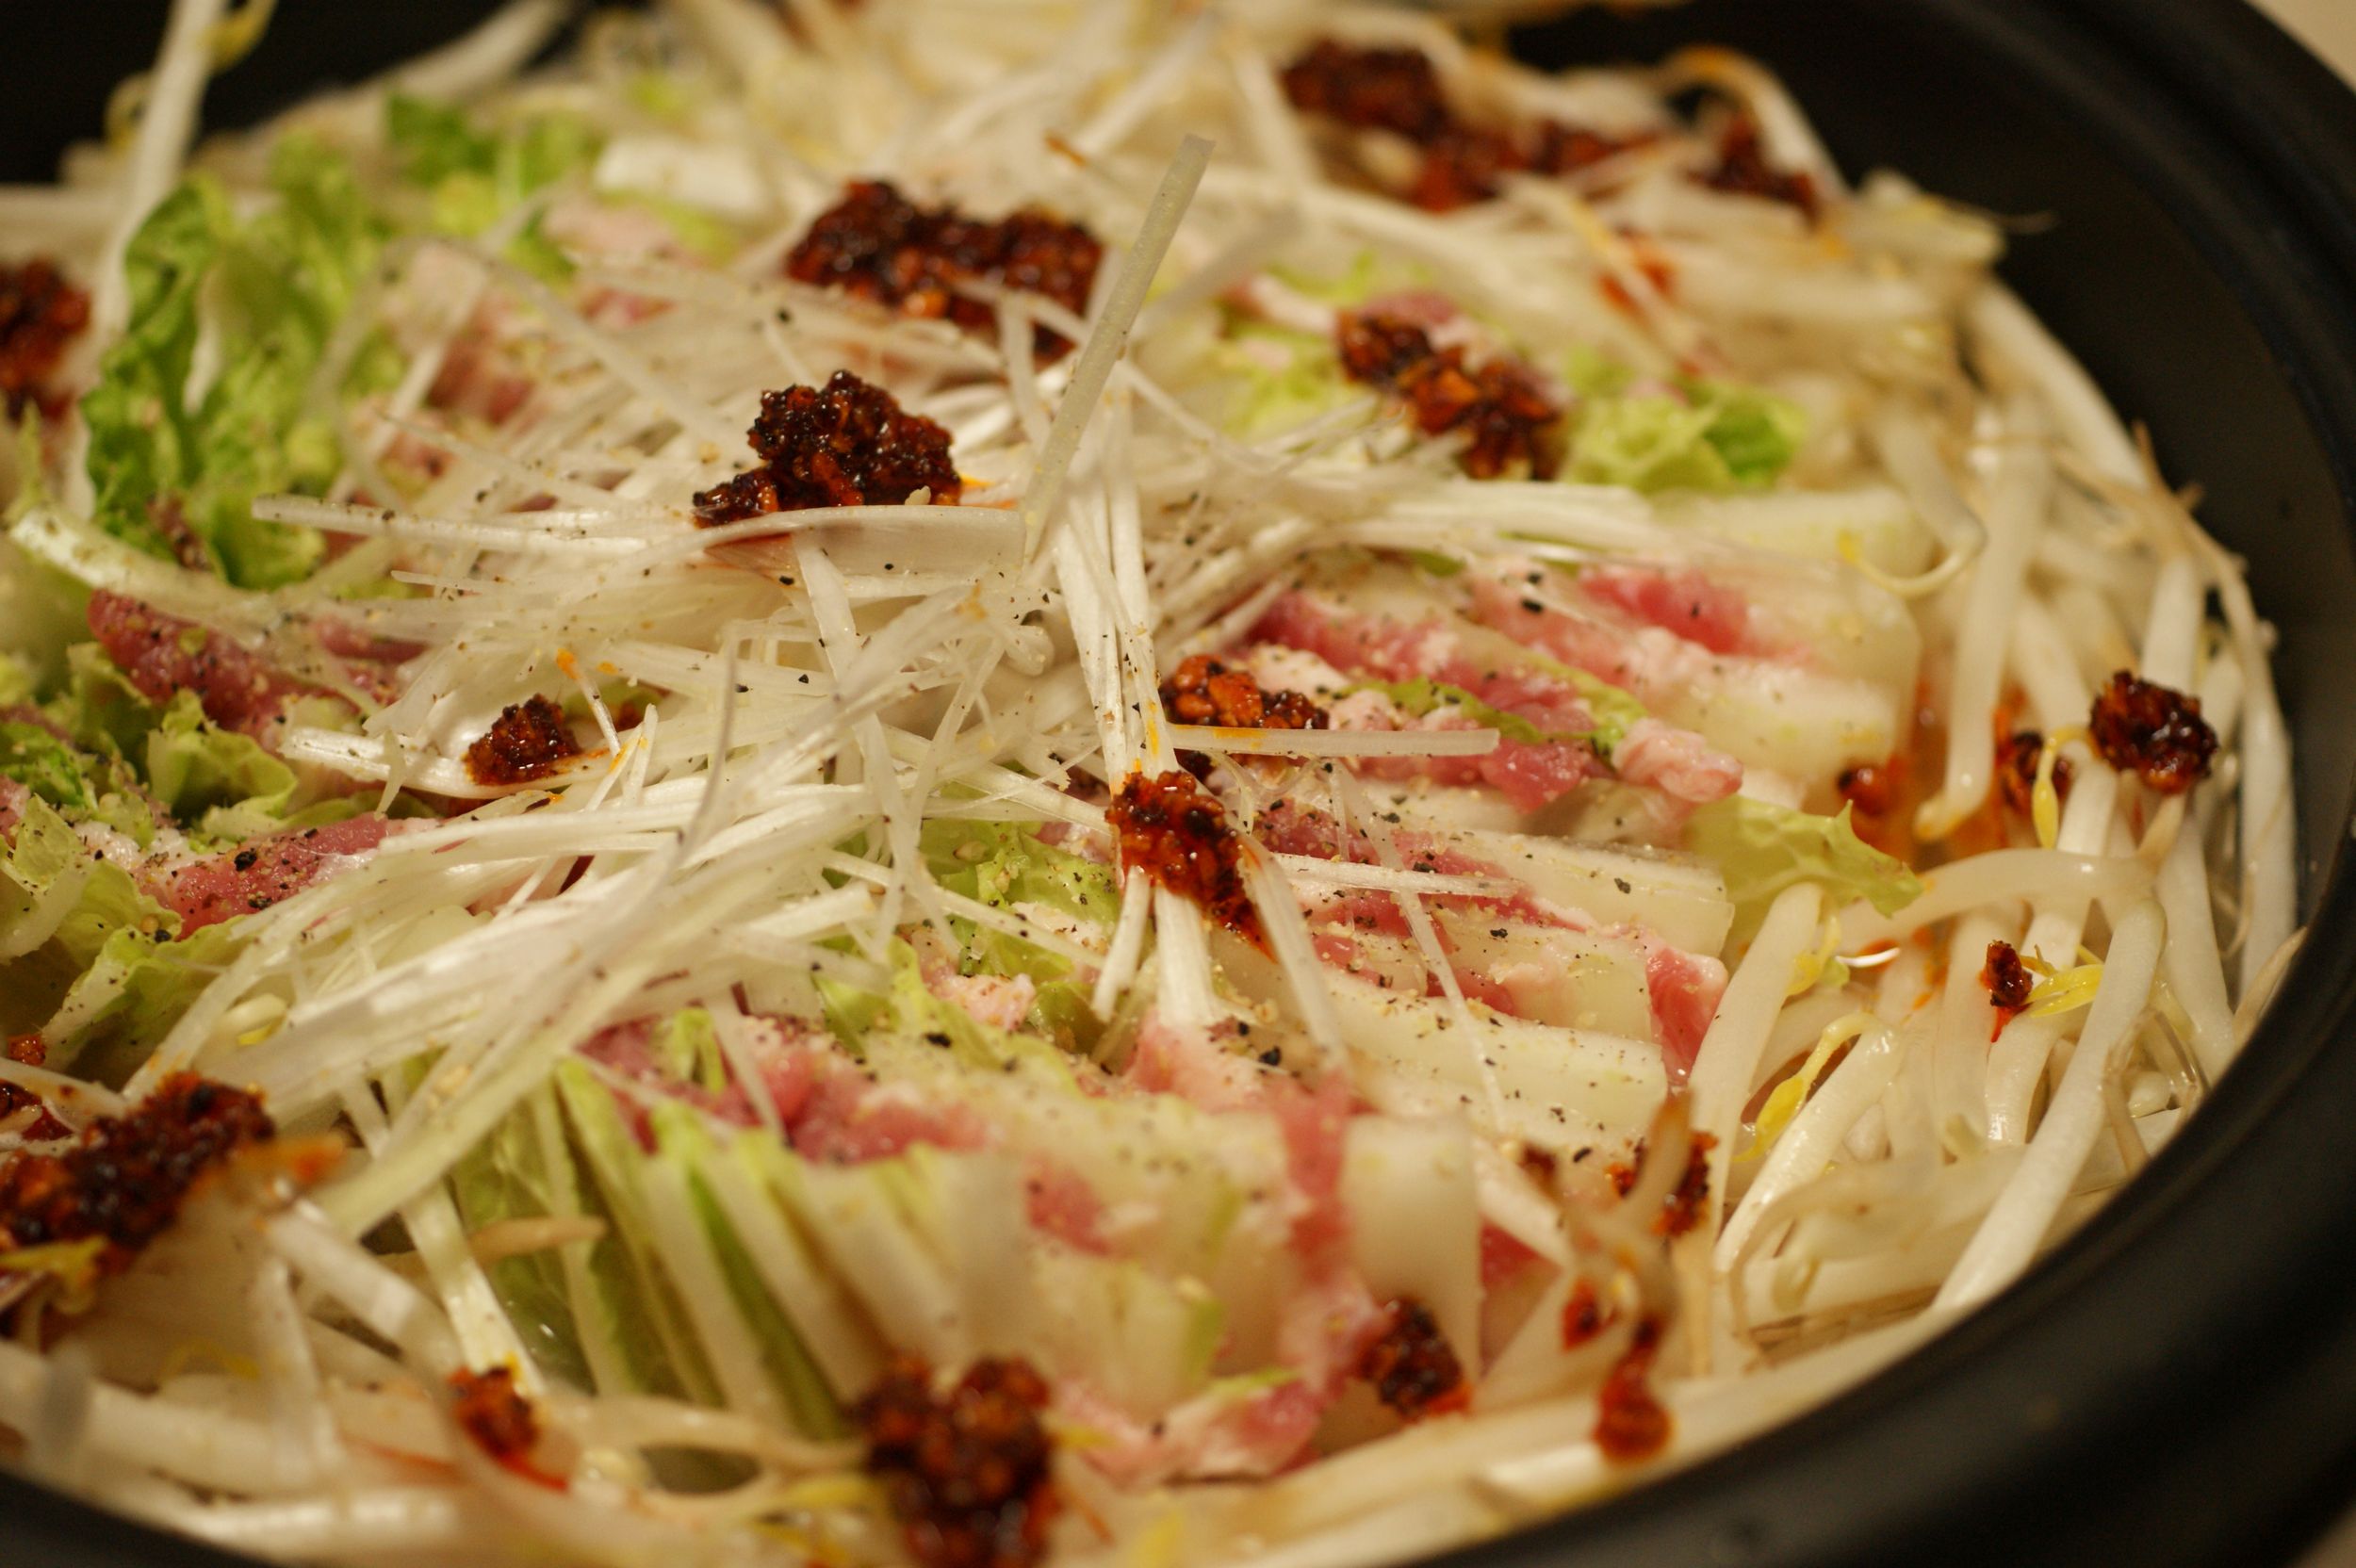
[(1095, 364)]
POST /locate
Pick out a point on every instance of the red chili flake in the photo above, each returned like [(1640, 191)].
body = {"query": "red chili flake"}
[(125, 1178), (1682, 1209), (876, 244), (1876, 795), (1501, 406), (1463, 165), (1387, 90), (27, 1050), (491, 1410), (1542, 1164), (966, 1472), (2154, 732), (1566, 148), (1869, 788), (2017, 757), (850, 445), (1399, 90), (1657, 269), (1382, 350), (38, 1124), (1510, 417), (1176, 832), (2008, 982), (1411, 1364), (528, 740), (1039, 253), (1742, 169), (1630, 1424), (1585, 1315), (40, 314)]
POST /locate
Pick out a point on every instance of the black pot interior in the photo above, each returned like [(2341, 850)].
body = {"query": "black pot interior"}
[(2178, 1385)]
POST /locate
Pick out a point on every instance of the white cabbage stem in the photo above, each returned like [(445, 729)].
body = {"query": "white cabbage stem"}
[(2020, 498)]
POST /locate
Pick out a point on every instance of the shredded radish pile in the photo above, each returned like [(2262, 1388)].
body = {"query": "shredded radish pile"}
[(1505, 836)]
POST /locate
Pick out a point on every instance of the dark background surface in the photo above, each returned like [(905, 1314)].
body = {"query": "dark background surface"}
[(2177, 1385), (63, 59)]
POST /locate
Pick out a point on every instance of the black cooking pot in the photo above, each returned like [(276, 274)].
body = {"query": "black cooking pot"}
[(2177, 1383)]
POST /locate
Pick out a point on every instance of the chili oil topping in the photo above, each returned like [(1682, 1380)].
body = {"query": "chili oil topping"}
[(967, 1470), (41, 315), (877, 245), (1178, 834), (850, 444), (2154, 732), (2008, 982), (1411, 1364), (1509, 419), (124, 1182), (528, 740)]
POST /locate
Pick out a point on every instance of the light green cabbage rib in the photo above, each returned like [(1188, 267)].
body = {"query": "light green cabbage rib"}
[(1762, 849), (177, 468)]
